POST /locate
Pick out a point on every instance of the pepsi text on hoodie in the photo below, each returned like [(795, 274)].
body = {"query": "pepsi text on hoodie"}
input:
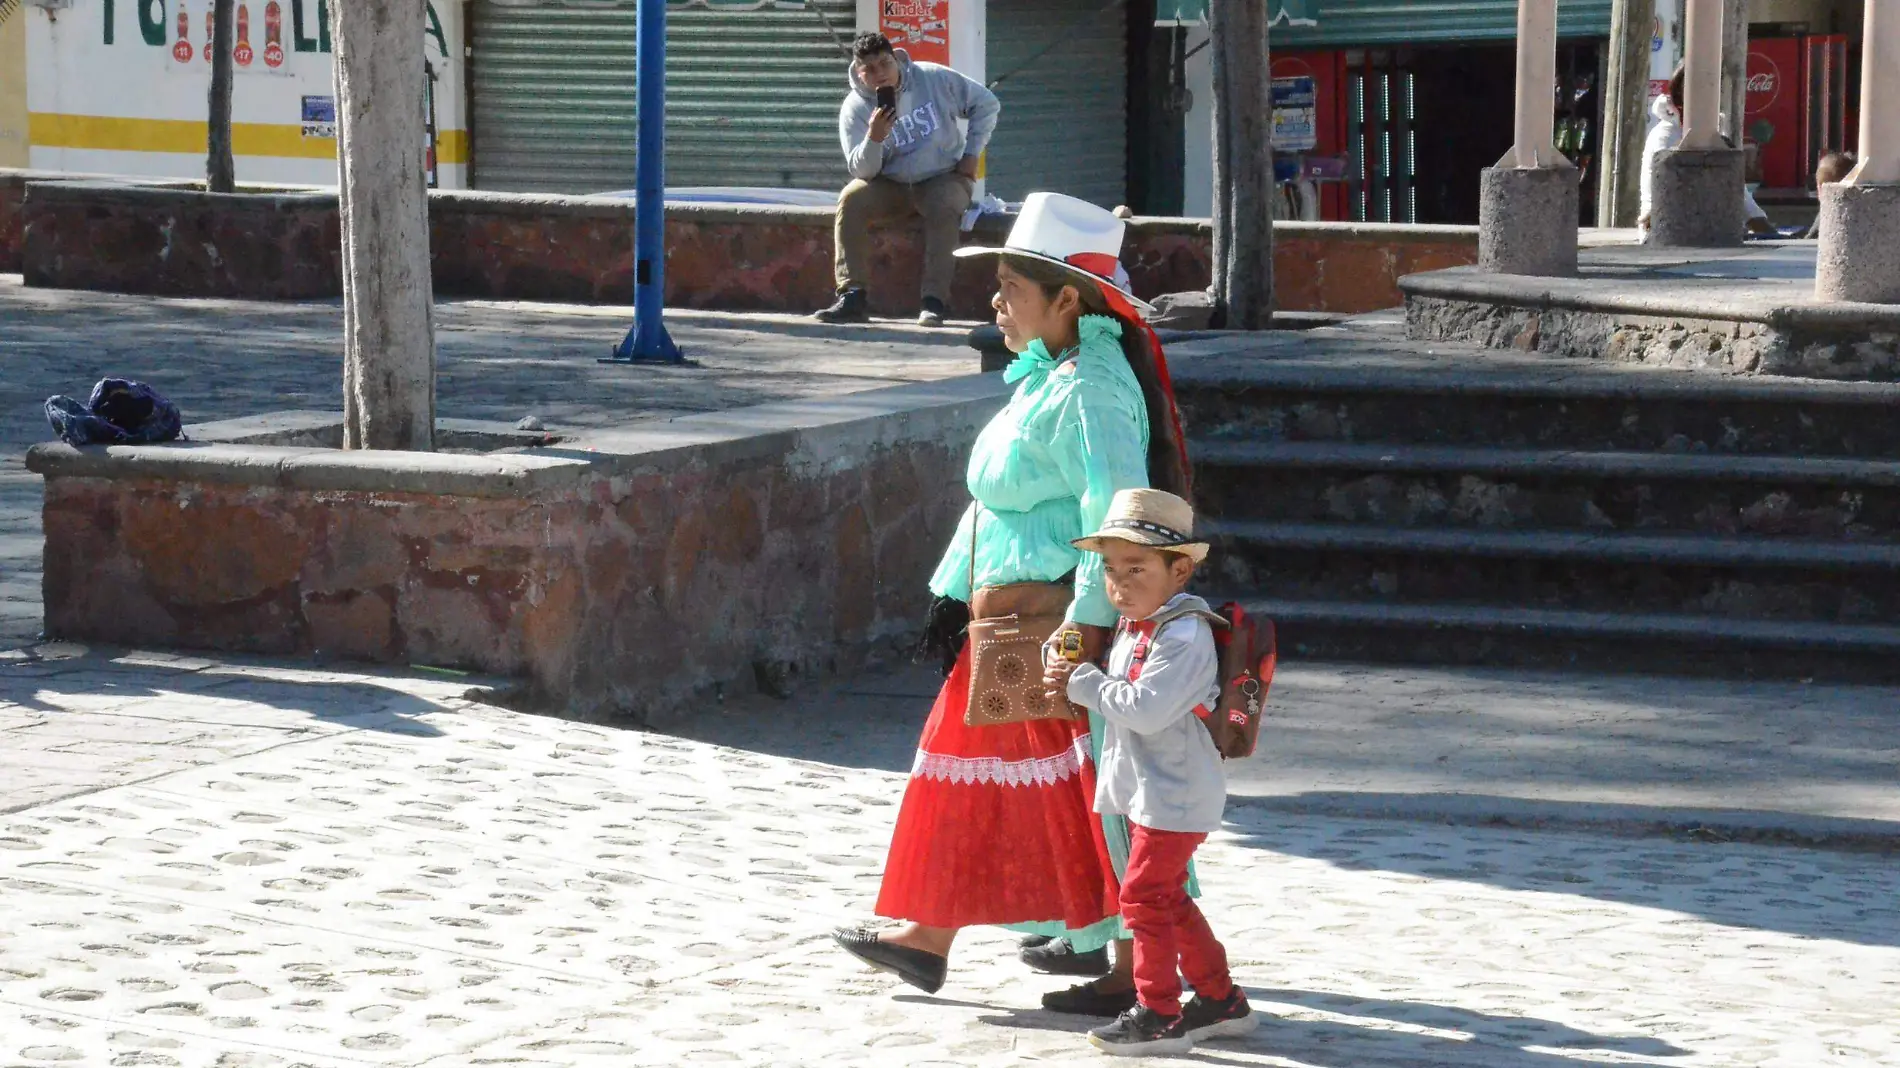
[(925, 140)]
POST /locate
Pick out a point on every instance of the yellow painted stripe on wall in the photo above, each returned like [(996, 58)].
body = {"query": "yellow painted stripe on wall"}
[(284, 140)]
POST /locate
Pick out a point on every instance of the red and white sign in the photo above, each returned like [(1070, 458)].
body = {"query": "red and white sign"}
[(919, 27), (1764, 83)]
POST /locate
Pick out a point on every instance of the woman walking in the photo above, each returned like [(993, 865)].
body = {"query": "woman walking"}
[(997, 825)]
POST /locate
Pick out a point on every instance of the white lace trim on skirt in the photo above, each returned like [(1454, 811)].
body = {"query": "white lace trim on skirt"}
[(1036, 771)]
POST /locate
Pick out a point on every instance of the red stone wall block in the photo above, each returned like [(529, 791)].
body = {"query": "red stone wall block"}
[(639, 594)]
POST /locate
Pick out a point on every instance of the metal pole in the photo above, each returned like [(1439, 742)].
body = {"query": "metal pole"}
[(1534, 143), (1879, 84), (1702, 75), (648, 341), (1632, 24)]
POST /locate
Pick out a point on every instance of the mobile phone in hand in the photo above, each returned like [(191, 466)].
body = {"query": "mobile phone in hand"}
[(887, 96)]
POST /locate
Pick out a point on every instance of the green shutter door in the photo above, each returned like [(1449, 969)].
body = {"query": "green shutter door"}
[(752, 96), (1064, 127), (1347, 23)]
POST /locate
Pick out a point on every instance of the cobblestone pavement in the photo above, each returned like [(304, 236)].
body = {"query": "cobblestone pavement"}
[(496, 361), (232, 865)]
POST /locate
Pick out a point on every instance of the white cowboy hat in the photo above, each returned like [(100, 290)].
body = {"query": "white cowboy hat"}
[(1069, 233), (1151, 517)]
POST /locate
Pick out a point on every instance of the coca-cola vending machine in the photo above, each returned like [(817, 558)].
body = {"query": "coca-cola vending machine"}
[(1772, 108)]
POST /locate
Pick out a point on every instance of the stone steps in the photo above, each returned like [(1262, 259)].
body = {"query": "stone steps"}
[(1467, 486), (1752, 578), (1559, 638), (1500, 400), (1381, 500)]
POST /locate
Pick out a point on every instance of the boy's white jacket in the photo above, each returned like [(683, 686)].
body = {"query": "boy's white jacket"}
[(1159, 767)]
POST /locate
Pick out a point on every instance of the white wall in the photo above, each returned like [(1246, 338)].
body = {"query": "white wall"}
[(1198, 172), (109, 92)]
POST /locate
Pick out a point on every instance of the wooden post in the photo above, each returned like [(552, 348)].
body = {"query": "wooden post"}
[(1243, 164), (388, 336), (220, 169), (1625, 111)]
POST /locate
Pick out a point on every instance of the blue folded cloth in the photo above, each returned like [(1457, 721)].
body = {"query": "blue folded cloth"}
[(120, 412)]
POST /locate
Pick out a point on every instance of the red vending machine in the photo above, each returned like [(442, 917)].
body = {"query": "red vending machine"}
[(1827, 121), (1772, 111)]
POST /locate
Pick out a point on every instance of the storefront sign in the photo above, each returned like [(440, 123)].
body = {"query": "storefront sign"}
[(1295, 114), (919, 27)]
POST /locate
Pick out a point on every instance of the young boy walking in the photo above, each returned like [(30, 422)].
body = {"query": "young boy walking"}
[(1159, 769)]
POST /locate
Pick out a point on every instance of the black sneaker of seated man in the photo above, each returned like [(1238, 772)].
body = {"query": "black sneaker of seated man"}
[(1142, 1032)]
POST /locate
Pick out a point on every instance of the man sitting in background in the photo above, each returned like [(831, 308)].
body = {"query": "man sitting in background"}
[(907, 158)]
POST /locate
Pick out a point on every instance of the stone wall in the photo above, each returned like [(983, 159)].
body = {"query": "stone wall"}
[(145, 239), (1685, 330), (634, 572)]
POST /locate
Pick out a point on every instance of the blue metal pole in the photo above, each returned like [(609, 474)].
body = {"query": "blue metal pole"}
[(648, 340)]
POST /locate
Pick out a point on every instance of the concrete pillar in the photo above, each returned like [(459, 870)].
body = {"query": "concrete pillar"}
[(1702, 75), (1527, 204), (1859, 255), (1696, 190)]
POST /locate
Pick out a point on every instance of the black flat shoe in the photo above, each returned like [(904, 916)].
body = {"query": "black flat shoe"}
[(1085, 1000), (925, 971), (1032, 941), (1058, 957)]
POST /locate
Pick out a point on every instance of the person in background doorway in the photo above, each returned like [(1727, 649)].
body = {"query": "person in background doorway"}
[(908, 158), (1833, 167), (1666, 135)]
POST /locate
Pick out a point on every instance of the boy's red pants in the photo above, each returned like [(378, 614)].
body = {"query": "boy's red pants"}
[(1172, 938)]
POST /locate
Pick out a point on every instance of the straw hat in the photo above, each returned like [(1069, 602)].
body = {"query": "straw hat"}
[(1069, 233), (1150, 517)]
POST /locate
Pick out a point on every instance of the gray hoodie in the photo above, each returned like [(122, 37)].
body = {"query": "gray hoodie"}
[(925, 140)]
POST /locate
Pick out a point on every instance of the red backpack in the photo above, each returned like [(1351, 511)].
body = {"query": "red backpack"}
[(1248, 653), (1245, 647)]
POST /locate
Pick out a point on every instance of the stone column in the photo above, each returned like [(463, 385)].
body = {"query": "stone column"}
[(1696, 192), (1527, 204), (1859, 254)]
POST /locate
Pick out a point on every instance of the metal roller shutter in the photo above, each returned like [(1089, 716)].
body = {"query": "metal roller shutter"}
[(1064, 127), (752, 96), (1348, 23)]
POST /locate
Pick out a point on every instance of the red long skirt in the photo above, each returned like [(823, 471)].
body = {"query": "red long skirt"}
[(998, 824)]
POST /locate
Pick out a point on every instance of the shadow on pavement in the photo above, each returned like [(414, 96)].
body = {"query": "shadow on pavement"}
[(1455, 1036), (94, 688), (1806, 893)]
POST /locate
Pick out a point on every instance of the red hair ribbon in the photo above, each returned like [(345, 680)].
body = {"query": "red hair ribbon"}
[(1126, 309)]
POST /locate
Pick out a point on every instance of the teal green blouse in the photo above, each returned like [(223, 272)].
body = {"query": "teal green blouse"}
[(1044, 469)]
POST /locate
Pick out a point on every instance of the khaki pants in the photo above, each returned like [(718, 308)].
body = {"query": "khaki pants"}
[(940, 201)]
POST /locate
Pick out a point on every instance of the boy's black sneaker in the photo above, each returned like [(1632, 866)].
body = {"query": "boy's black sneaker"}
[(1204, 1018), (1142, 1032), (933, 313), (852, 306)]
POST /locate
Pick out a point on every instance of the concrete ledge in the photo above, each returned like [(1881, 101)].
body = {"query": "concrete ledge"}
[(628, 572), (1697, 326)]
